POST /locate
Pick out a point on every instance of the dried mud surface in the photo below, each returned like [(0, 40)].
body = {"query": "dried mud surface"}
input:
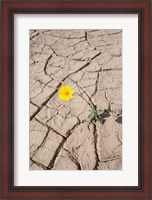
[(61, 135)]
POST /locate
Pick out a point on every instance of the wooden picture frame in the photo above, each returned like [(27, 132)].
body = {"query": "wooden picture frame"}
[(9, 9)]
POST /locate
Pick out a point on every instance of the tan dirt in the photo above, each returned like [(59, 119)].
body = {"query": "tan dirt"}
[(61, 135)]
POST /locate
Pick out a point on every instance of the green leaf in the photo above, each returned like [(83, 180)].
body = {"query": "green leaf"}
[(91, 116), (100, 117), (94, 120), (99, 112), (102, 120)]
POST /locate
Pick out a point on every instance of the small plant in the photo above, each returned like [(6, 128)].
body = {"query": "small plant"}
[(95, 114), (66, 93)]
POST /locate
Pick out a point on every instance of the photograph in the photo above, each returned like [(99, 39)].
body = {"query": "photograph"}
[(75, 99), (75, 95)]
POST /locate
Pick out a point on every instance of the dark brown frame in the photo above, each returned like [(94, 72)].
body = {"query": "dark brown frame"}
[(10, 7)]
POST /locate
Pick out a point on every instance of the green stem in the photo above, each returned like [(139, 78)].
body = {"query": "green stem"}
[(79, 87), (82, 97)]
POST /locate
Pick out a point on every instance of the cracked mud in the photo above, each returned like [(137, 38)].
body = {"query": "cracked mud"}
[(61, 135)]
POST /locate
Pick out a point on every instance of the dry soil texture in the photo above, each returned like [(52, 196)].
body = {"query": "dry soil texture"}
[(61, 135)]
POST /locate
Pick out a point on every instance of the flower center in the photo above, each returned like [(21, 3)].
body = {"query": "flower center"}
[(67, 93)]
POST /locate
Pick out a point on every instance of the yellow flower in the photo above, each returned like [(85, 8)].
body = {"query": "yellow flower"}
[(66, 93)]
